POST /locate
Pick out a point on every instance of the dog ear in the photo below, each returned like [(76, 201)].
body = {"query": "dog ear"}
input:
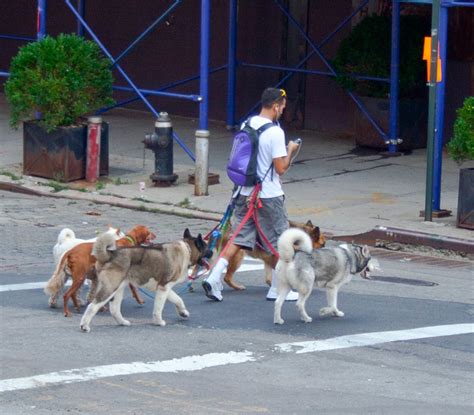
[(365, 251), (316, 233), (200, 242), (309, 223), (187, 234)]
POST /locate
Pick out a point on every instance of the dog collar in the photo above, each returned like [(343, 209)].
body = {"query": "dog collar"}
[(130, 239)]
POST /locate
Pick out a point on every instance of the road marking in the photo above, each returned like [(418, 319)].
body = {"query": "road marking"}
[(40, 285), (27, 286), (194, 363), (184, 364), (369, 339)]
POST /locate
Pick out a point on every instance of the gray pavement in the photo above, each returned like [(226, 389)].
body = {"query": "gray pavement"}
[(344, 191), (187, 367)]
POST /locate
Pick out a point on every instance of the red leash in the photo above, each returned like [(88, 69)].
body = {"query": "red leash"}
[(254, 204)]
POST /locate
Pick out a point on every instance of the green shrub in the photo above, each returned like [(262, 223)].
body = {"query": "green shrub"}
[(461, 145), (367, 51), (62, 78)]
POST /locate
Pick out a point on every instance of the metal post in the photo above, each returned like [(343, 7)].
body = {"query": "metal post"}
[(202, 166), (439, 115), (81, 9), (41, 20), (202, 135), (231, 69), (394, 74), (40, 30), (431, 110), (93, 149)]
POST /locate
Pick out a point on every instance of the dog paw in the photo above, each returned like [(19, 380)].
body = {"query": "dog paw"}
[(338, 313), (183, 313), (125, 323), (307, 319), (325, 311), (278, 321), (161, 323), (85, 329), (52, 304)]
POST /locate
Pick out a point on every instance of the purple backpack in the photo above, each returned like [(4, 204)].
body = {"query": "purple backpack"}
[(242, 163)]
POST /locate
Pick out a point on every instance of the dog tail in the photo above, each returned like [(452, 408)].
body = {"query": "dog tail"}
[(66, 233), (56, 282), (102, 247), (293, 240)]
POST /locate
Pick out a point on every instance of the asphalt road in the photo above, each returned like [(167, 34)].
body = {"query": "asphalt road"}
[(228, 357)]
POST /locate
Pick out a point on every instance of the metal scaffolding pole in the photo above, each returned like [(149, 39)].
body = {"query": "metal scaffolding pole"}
[(232, 64), (432, 110), (202, 135), (394, 75), (81, 9), (41, 20), (439, 112)]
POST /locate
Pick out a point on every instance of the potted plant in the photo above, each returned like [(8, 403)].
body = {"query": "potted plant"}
[(367, 51), (58, 80), (461, 149)]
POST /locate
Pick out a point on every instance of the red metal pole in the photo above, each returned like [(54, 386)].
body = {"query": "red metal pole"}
[(93, 148)]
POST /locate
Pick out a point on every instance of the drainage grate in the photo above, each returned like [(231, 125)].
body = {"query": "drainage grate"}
[(407, 281)]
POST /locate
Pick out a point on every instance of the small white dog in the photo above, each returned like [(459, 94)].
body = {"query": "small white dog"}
[(67, 240)]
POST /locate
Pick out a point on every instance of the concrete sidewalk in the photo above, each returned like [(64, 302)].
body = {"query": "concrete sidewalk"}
[(344, 191)]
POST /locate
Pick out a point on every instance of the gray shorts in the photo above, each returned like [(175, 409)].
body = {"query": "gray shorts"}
[(272, 218)]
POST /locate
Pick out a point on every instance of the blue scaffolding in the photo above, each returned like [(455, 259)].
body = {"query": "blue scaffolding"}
[(390, 138)]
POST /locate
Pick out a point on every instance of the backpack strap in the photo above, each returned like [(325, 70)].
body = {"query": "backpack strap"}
[(263, 128)]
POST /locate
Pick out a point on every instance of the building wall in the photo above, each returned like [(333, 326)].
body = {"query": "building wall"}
[(172, 52)]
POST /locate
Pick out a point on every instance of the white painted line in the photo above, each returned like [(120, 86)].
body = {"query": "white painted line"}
[(40, 285), (185, 364), (369, 339), (193, 363), (27, 286)]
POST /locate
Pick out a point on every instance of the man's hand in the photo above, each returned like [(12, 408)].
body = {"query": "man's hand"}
[(292, 147)]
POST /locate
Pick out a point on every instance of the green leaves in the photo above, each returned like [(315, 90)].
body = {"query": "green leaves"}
[(461, 146), (367, 51), (63, 78)]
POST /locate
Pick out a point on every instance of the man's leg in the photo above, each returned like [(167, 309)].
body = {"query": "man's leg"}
[(272, 293), (273, 221), (213, 284)]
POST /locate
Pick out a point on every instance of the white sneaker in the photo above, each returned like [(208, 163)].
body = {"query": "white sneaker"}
[(212, 290), (272, 295)]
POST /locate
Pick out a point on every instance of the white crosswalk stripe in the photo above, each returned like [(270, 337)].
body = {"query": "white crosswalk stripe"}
[(194, 363)]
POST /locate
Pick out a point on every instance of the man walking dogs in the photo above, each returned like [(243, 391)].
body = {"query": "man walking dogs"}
[(273, 160)]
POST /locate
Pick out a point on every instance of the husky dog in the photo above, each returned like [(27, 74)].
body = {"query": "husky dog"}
[(158, 268), (300, 267)]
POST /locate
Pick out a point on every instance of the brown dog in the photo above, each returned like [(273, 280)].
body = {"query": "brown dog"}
[(80, 263), (314, 232)]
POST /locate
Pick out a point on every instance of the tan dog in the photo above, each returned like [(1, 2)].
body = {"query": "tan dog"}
[(80, 263), (158, 268), (317, 238)]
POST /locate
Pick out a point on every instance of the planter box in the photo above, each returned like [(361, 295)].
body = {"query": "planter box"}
[(465, 217), (412, 123), (61, 154)]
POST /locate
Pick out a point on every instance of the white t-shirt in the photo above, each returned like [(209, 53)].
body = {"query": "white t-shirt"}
[(271, 145)]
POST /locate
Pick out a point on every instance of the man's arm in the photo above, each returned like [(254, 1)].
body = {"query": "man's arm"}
[(282, 164)]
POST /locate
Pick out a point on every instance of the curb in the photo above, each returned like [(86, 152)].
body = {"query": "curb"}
[(371, 238), (405, 236), (117, 201)]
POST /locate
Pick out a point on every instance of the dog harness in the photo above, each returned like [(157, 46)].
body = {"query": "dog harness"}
[(130, 239)]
